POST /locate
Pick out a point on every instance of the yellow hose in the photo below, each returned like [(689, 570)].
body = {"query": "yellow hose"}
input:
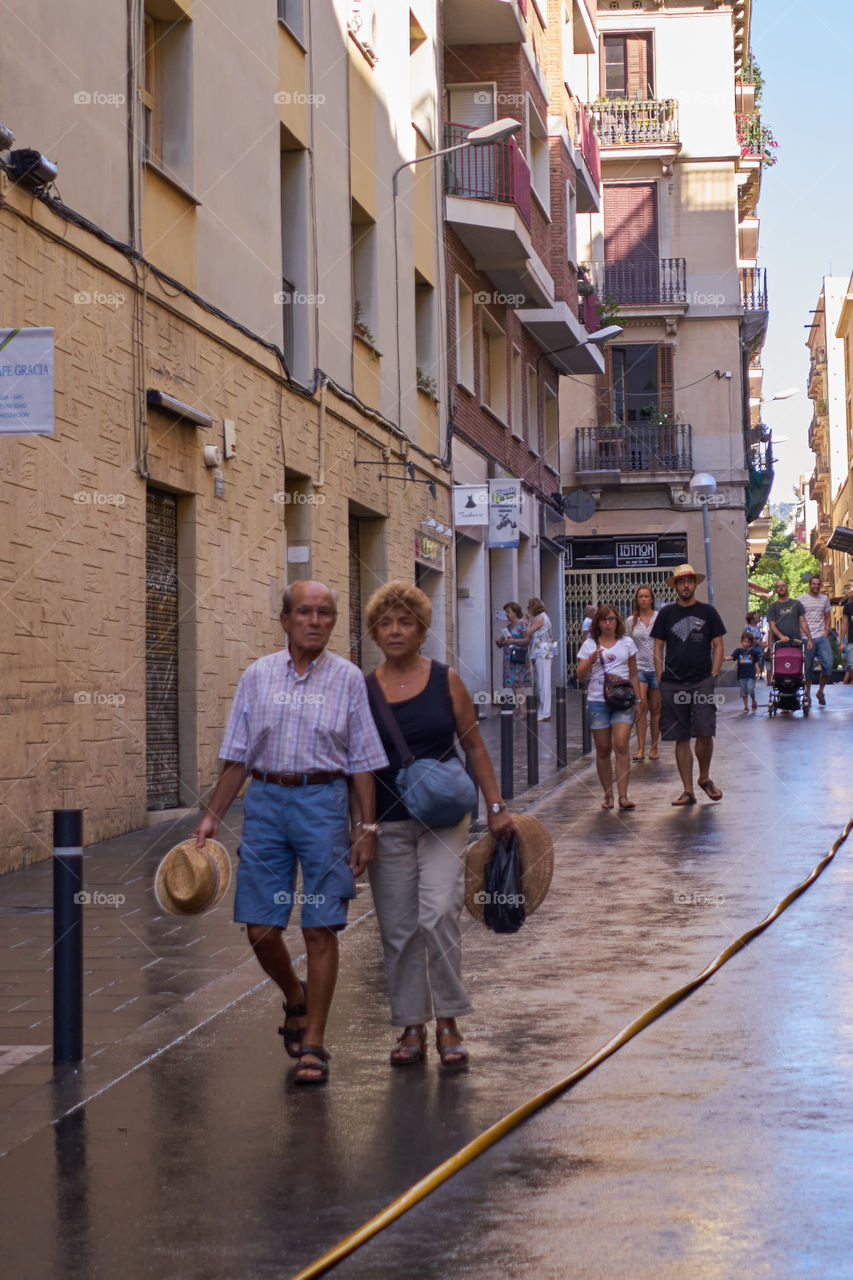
[(499, 1130)]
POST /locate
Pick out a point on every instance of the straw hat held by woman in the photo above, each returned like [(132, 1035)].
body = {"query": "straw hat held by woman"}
[(418, 877)]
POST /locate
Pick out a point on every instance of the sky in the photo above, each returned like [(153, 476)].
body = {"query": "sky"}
[(805, 52)]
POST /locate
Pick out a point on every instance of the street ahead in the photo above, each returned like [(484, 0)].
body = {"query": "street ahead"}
[(717, 1144)]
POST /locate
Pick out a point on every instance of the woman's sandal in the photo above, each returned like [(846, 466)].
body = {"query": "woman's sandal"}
[(638, 757), (319, 1070), (405, 1055), (293, 1036), (653, 754), (607, 802), (686, 797), (712, 791), (625, 803), (453, 1056)]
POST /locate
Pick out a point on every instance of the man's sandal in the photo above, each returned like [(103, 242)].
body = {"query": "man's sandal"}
[(712, 791), (293, 1036), (607, 802), (319, 1070), (686, 797), (453, 1056), (625, 803), (406, 1055)]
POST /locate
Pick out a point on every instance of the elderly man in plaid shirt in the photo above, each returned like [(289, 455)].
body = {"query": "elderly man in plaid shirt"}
[(301, 726)]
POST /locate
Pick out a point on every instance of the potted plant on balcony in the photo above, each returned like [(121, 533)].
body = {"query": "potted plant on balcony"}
[(426, 384), (362, 329)]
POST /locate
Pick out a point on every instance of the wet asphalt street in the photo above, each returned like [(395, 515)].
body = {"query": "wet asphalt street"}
[(717, 1144)]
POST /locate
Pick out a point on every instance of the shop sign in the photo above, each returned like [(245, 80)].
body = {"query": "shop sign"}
[(26, 382), (428, 552), (470, 504), (504, 512)]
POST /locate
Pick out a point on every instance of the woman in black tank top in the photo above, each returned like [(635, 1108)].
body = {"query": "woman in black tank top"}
[(418, 875)]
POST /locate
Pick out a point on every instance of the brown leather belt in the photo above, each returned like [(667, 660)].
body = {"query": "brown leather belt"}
[(298, 779)]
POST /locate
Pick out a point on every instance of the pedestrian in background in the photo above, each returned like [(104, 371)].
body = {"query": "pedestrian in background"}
[(300, 724), (639, 628), (542, 650), (753, 627), (608, 649), (418, 876), (817, 609), (747, 657), (846, 635), (516, 657), (688, 639)]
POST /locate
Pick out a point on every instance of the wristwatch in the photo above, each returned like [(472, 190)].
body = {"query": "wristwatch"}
[(372, 828), (498, 807)]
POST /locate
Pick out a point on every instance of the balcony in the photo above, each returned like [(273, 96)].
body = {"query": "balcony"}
[(484, 21), (651, 282), (753, 297), (819, 479), (559, 332), (589, 170), (650, 124), (489, 208), (760, 478), (639, 449)]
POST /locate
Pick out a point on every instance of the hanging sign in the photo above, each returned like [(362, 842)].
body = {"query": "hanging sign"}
[(470, 504), (428, 552), (26, 382), (504, 512)]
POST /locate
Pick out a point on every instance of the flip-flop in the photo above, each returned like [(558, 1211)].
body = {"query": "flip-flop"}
[(625, 803), (712, 791), (607, 802), (638, 757), (686, 797)]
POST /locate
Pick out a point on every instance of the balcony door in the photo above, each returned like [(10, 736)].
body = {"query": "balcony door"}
[(471, 173), (627, 67), (631, 246)]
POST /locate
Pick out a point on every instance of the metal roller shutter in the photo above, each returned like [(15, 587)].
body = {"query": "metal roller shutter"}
[(161, 649)]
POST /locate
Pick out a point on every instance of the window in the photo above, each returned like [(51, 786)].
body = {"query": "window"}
[(166, 95), (571, 225), (297, 329), (516, 420), (631, 248), (550, 421), (292, 14), (626, 70), (464, 335), (365, 313), (641, 382), (425, 353), (493, 366), (532, 409), (538, 158)]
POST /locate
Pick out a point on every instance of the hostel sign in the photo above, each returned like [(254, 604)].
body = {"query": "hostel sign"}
[(504, 512), (26, 382)]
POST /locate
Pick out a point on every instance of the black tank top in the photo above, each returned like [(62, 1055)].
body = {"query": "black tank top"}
[(429, 727)]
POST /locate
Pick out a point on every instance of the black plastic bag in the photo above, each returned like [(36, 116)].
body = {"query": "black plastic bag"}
[(503, 909)]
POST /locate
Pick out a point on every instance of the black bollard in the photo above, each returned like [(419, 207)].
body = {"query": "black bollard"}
[(532, 742), (507, 789), (586, 735), (562, 738), (469, 769), (67, 935)]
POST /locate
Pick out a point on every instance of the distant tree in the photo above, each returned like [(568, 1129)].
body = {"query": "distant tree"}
[(787, 560)]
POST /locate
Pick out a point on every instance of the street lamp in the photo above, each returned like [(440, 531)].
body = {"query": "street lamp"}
[(703, 486)]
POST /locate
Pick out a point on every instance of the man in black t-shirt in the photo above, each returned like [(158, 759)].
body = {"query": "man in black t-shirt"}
[(688, 638), (786, 618)]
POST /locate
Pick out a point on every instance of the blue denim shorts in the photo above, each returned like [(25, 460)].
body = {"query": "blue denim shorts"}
[(600, 716), (822, 650), (649, 678), (283, 826), (747, 686)]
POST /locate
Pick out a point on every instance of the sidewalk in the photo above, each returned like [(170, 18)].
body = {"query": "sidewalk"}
[(150, 973)]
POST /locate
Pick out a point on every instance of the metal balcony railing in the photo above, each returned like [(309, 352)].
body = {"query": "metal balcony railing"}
[(753, 288), (640, 446), (642, 282), (623, 122), (497, 172), (824, 523), (589, 144), (288, 291)]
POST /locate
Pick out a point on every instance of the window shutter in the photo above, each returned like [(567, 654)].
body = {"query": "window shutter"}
[(666, 379), (638, 56), (630, 221), (471, 104), (603, 392)]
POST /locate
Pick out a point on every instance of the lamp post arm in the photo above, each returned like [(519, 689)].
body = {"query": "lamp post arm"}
[(433, 155)]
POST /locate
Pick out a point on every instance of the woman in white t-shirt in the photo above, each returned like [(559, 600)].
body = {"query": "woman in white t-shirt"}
[(639, 628), (607, 648)]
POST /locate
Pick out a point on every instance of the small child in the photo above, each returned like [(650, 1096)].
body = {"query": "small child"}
[(747, 657)]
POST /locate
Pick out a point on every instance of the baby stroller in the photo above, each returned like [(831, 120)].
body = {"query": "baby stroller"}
[(787, 683)]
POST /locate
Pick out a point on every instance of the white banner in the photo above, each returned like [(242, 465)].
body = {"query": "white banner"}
[(26, 382), (470, 504), (504, 512)]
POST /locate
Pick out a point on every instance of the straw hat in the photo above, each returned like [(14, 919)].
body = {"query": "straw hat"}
[(190, 881), (537, 863), (684, 571)]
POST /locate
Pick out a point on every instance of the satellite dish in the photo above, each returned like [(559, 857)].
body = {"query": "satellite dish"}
[(578, 505)]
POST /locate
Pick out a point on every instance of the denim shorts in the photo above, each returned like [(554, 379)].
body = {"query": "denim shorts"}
[(600, 716), (283, 826), (747, 686), (822, 650), (649, 678)]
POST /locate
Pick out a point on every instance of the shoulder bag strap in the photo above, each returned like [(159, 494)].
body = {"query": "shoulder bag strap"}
[(389, 720)]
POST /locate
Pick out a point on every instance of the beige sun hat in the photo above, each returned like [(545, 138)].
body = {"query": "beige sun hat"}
[(191, 880), (537, 863), (684, 571)]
